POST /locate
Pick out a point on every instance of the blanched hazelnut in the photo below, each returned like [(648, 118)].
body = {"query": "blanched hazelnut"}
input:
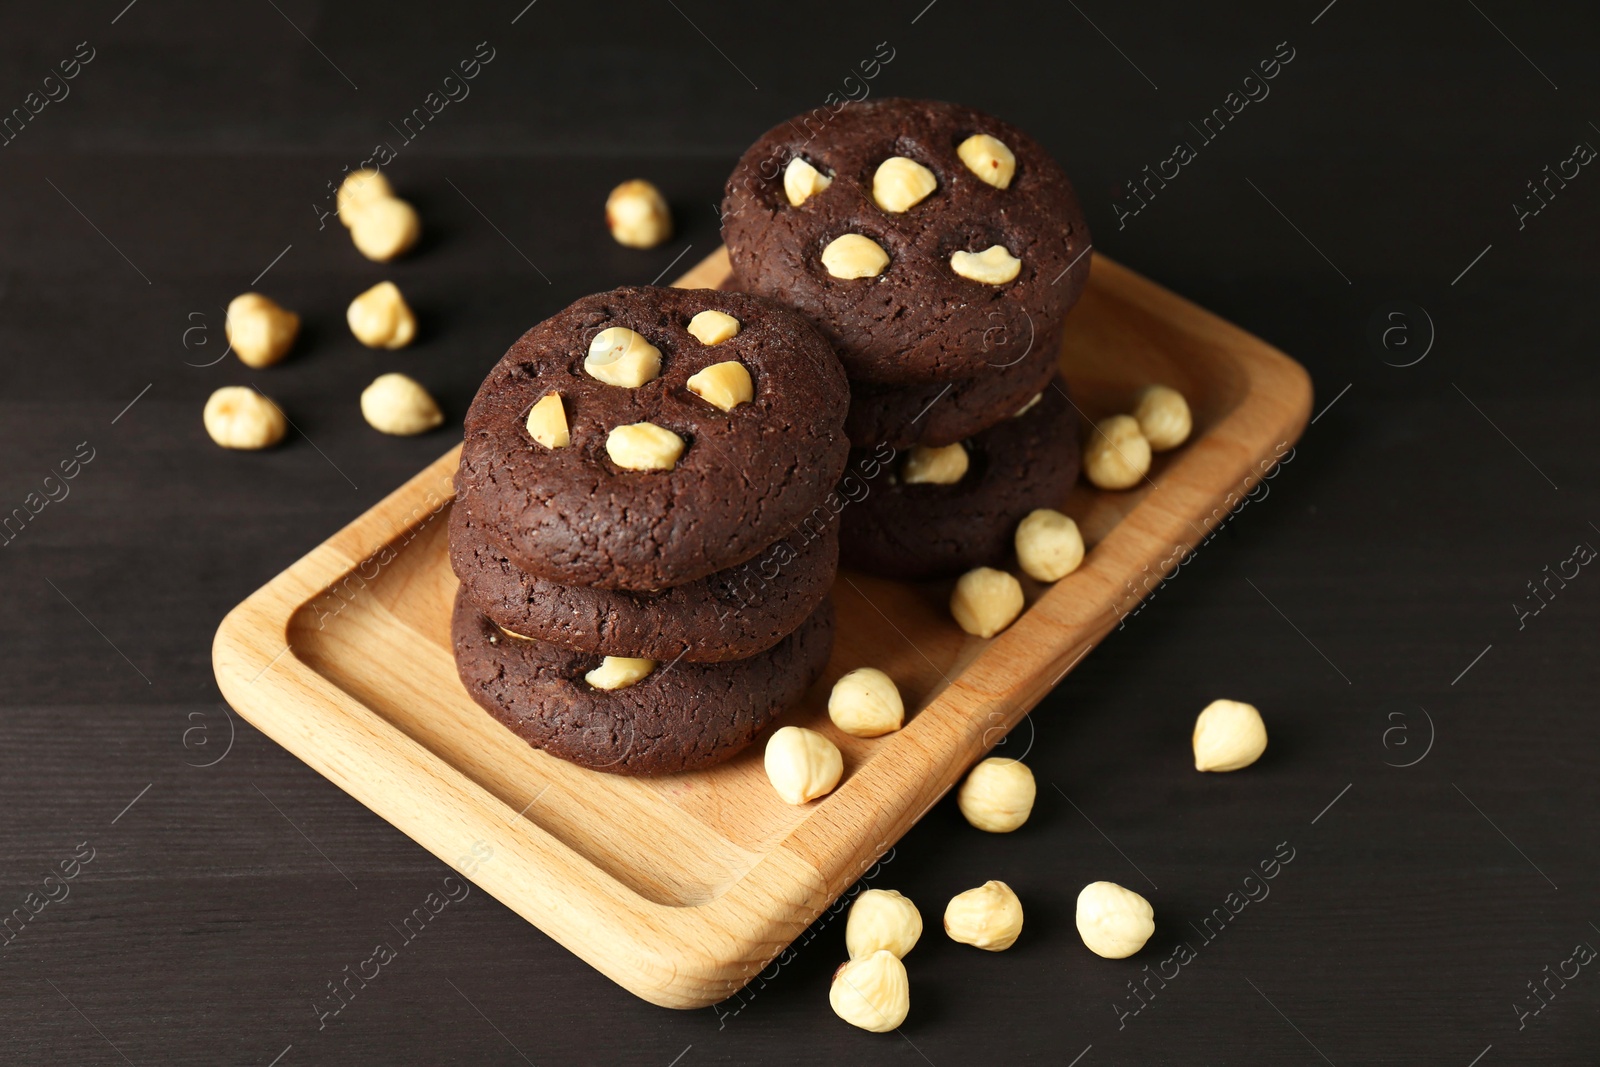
[(993, 266), (547, 422), (723, 385), (713, 327), (900, 184), (395, 404), (385, 228), (1049, 546), (802, 764), (1114, 922), (637, 215), (802, 181), (240, 417), (644, 446), (998, 795), (866, 703), (986, 601), (1116, 456), (872, 992), (989, 159), (1163, 416), (619, 672), (360, 188), (854, 256), (260, 331), (619, 356), (1228, 735), (988, 917), (882, 920), (946, 465), (380, 318)]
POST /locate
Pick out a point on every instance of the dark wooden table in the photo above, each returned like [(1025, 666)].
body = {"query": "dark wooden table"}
[(185, 891)]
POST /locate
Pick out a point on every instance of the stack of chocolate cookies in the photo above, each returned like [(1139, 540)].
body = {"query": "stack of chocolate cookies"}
[(939, 250), (640, 527)]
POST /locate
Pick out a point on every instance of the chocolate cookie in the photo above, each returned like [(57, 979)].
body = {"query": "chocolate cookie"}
[(680, 717), (921, 530), (732, 614), (702, 454), (963, 183), (934, 414)]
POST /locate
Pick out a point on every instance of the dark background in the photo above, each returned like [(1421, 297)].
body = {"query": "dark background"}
[(1347, 603)]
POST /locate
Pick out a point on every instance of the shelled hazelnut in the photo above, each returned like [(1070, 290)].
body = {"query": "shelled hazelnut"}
[(872, 992), (988, 917), (998, 795), (866, 703), (882, 919), (637, 215), (241, 418), (260, 330), (1114, 922)]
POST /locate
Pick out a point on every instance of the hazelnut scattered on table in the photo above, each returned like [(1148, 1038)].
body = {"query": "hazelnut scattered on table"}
[(1114, 922), (882, 919), (1228, 735), (986, 601), (802, 765), (1049, 546), (988, 917), (637, 215), (997, 795), (239, 417), (385, 228), (380, 318), (866, 703), (260, 330), (872, 992), (398, 405)]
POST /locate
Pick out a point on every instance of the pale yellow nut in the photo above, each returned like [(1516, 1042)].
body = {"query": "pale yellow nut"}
[(1228, 735), (513, 633), (872, 992), (993, 266), (900, 184), (1049, 546), (1116, 456), (260, 331), (998, 795), (802, 181), (644, 446), (395, 404), (1114, 922), (989, 159), (547, 422), (359, 189), (713, 327), (986, 601), (1029, 406), (802, 764), (385, 228), (988, 917), (866, 703), (240, 417), (380, 318), (637, 215), (1163, 416), (619, 672), (619, 356), (723, 385), (935, 466), (854, 256), (882, 920)]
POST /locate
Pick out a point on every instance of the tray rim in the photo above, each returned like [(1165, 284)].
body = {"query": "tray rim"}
[(692, 956)]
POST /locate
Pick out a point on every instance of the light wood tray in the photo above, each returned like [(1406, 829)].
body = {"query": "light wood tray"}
[(682, 888)]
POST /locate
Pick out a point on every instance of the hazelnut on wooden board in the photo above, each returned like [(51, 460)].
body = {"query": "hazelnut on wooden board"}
[(988, 917), (259, 329), (360, 188), (986, 601), (1114, 922), (866, 703), (239, 417), (997, 795), (380, 318), (925, 465), (547, 422), (802, 181), (1116, 456), (802, 765), (1049, 546), (900, 184), (723, 385), (619, 672), (395, 404), (989, 159), (1228, 735), (854, 256), (993, 266), (1163, 417), (872, 992), (882, 919), (637, 215), (713, 327), (644, 446), (385, 228), (619, 356)]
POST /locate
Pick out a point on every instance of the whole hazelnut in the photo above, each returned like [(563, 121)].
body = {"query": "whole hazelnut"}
[(1114, 922), (882, 919), (802, 765), (1163, 416), (395, 404), (360, 188), (1116, 456), (986, 601), (998, 795), (1049, 546), (380, 318), (872, 992), (239, 417), (637, 215), (385, 228), (866, 703), (259, 329), (1228, 735), (988, 917)]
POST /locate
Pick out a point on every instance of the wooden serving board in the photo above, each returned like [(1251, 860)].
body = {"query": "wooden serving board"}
[(682, 888)]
